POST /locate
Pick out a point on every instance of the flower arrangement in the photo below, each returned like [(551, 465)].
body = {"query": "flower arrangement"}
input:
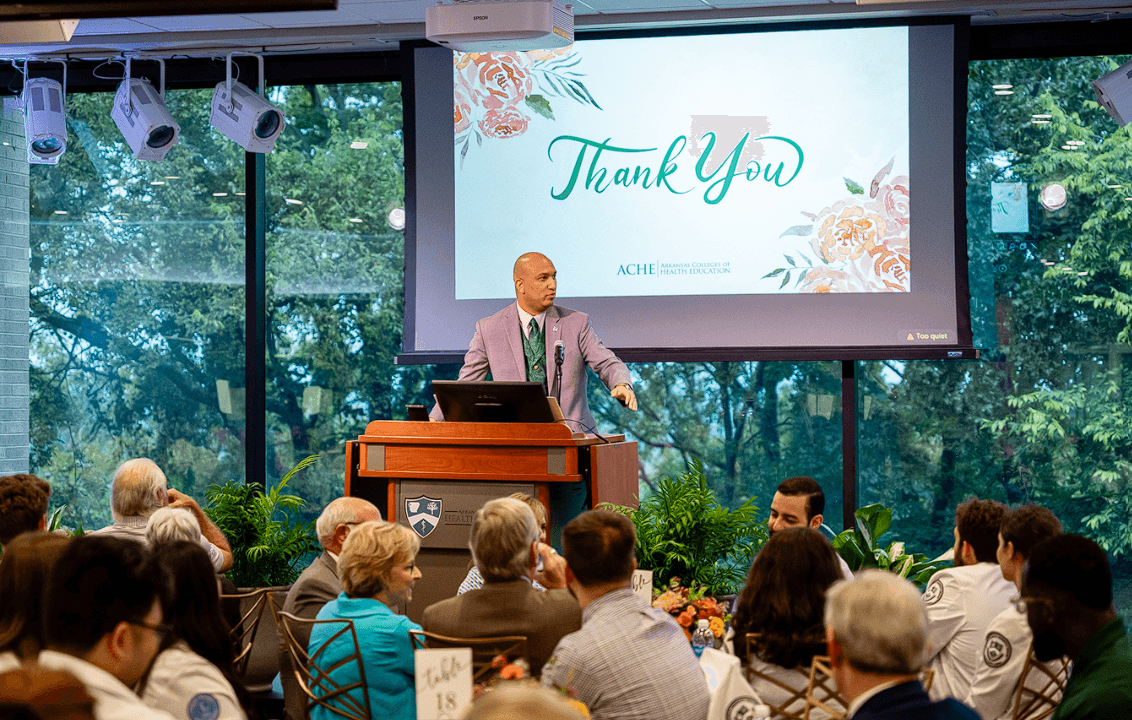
[(520, 671), (688, 606)]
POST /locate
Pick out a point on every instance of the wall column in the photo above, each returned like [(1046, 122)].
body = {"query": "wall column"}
[(14, 273)]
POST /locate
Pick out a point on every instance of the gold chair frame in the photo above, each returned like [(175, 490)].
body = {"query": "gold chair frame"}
[(821, 680), (1036, 704), (243, 632), (313, 678), (484, 649)]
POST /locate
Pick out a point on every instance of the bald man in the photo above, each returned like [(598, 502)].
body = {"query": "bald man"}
[(517, 343)]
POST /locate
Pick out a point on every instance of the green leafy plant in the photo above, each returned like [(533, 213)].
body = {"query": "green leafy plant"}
[(861, 548), (268, 542), (683, 532)]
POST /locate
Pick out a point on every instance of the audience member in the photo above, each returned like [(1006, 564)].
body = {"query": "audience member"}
[(629, 660), (319, 585), (961, 601), (504, 542), (31, 692), (552, 568), (377, 571), (24, 570), (139, 489), (784, 601), (1006, 645), (102, 620), (877, 635), (23, 506), (800, 502), (169, 524), (1067, 591), (192, 677), (515, 701)]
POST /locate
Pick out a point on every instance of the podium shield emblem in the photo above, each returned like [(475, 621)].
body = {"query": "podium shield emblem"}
[(423, 514)]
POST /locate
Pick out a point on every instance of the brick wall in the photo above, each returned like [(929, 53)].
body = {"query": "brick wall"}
[(14, 269)]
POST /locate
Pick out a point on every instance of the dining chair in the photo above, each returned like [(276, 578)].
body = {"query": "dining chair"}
[(251, 606), (795, 706), (821, 693), (484, 649), (316, 680), (1039, 687)]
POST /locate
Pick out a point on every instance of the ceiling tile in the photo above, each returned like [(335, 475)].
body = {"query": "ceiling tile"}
[(391, 11), (197, 23), (111, 26), (642, 6), (315, 18)]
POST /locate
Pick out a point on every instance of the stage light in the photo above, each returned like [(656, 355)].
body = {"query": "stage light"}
[(1114, 92), (140, 114), (243, 116), (45, 118)]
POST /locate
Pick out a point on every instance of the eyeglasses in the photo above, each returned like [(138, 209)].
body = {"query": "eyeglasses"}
[(162, 630)]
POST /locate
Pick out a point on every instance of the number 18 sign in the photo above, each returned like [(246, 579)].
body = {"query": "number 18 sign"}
[(444, 682)]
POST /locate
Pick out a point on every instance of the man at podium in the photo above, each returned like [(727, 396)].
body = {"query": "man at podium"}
[(523, 341)]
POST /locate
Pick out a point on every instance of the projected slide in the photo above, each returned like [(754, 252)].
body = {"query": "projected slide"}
[(775, 163)]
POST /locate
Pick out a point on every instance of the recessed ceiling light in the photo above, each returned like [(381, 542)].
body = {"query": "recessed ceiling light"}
[(1003, 92), (60, 212), (1083, 273), (1002, 87), (359, 145), (291, 201), (1042, 116), (241, 194), (156, 182), (355, 220), (172, 177), (1114, 187), (219, 194), (1040, 122)]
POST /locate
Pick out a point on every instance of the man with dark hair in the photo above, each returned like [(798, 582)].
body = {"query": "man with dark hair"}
[(103, 621), (1006, 644), (800, 502), (23, 505), (961, 602), (629, 660), (1067, 591)]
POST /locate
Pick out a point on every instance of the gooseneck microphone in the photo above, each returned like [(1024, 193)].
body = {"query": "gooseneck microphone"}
[(559, 355)]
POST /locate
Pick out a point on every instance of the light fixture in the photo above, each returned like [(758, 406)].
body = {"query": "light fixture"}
[(140, 114), (243, 116), (45, 119), (1053, 196), (397, 219), (1114, 91), (359, 145)]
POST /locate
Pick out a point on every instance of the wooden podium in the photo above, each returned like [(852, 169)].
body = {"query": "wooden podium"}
[(392, 451), (445, 471)]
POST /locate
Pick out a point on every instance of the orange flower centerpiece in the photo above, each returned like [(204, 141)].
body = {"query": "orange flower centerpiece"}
[(688, 606)]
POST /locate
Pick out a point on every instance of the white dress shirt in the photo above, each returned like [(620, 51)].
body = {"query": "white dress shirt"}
[(190, 687), (112, 699)]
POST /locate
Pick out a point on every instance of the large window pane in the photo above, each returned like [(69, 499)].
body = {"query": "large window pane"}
[(137, 308)]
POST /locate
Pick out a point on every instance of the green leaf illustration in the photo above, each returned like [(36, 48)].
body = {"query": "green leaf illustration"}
[(776, 272), (854, 187), (540, 105), (790, 260), (785, 280), (801, 230)]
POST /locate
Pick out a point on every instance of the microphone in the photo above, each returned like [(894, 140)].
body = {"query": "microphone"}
[(559, 355)]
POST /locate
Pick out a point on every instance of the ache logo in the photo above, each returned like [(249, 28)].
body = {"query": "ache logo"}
[(423, 514)]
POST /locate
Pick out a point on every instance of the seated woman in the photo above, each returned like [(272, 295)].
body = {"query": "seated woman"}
[(377, 571), (783, 602), (24, 568), (192, 676)]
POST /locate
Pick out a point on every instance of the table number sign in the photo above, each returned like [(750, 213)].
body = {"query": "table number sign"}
[(444, 682), (642, 584)]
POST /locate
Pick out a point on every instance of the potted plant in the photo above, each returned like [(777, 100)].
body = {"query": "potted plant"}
[(860, 548)]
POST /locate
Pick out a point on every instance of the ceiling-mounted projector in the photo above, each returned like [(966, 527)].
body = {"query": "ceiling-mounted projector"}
[(500, 25), (1114, 92)]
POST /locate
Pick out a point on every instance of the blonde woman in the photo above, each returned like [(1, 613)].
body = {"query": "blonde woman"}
[(377, 569)]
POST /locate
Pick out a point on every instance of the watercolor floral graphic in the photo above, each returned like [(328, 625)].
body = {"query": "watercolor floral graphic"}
[(498, 95), (859, 243)]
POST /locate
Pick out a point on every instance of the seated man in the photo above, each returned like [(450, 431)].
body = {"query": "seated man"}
[(23, 505), (961, 601), (800, 502), (319, 584), (504, 542), (629, 660), (139, 489), (1067, 588), (877, 636), (1007, 642), (103, 621)]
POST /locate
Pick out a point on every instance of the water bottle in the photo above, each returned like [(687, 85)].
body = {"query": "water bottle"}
[(702, 637), (762, 712)]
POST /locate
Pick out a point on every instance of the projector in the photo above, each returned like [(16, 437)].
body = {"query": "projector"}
[(147, 126), (246, 118), (479, 26), (44, 121), (1114, 91)]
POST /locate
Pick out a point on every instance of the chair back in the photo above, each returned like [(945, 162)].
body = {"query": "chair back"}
[(1039, 688), (251, 604), (793, 706), (822, 694), (484, 649), (315, 679)]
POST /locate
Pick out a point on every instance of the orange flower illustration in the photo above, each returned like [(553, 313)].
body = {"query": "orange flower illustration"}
[(891, 269), (505, 79), (848, 233), (505, 123)]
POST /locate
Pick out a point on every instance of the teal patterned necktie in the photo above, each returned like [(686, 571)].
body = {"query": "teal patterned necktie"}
[(534, 349)]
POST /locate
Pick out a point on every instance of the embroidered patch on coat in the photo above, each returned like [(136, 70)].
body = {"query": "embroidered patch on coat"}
[(203, 707), (997, 651), (934, 593)]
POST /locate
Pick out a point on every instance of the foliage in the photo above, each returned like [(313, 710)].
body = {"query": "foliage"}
[(860, 547), (684, 533), (268, 542)]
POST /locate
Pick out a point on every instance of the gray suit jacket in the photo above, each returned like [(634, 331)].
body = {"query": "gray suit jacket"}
[(317, 586), (498, 346), (508, 608)]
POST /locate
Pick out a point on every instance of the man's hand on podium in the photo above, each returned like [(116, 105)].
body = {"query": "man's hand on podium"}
[(624, 394)]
